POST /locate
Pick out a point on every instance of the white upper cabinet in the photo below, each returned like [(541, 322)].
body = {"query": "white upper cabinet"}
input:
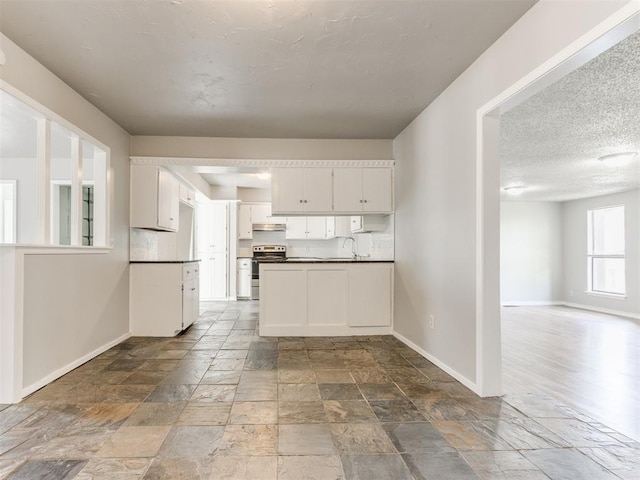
[(187, 195), (245, 228), (332, 191), (168, 201), (260, 213), (155, 198), (363, 190), (310, 228), (298, 190), (296, 228)]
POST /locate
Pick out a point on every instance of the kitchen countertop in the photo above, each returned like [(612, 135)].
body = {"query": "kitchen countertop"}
[(333, 260), (163, 261)]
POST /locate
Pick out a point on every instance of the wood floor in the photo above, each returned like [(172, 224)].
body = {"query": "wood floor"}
[(587, 360)]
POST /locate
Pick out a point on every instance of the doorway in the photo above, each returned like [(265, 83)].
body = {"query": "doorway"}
[(212, 249), (488, 333)]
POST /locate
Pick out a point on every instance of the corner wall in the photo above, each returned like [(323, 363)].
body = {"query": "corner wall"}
[(530, 253), (437, 193), (74, 304)]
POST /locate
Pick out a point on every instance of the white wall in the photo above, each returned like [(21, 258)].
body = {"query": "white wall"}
[(436, 189), (575, 253), (74, 304), (530, 253)]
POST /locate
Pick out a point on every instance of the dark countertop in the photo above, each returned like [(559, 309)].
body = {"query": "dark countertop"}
[(163, 261), (333, 260)]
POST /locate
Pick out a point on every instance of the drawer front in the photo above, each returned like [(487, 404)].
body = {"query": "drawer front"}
[(190, 271)]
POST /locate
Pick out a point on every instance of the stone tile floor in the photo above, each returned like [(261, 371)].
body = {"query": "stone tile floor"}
[(219, 402)]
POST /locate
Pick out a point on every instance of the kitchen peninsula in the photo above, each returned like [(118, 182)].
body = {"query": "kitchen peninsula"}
[(326, 297)]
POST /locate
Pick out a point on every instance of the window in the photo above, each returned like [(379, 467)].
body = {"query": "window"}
[(606, 250), (53, 178)]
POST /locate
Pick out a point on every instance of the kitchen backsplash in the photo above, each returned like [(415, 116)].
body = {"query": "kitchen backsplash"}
[(378, 245)]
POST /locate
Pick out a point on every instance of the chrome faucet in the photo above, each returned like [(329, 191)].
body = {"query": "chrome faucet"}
[(354, 255)]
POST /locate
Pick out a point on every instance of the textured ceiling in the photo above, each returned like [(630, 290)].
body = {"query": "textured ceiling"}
[(289, 69), (552, 141)]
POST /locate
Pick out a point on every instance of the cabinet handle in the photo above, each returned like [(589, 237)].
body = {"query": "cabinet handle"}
[(171, 218), (188, 272), (301, 201), (193, 289), (305, 201), (360, 200), (365, 201)]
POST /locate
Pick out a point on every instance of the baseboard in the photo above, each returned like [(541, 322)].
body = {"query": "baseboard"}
[(608, 311), (526, 303), (461, 378), (70, 366)]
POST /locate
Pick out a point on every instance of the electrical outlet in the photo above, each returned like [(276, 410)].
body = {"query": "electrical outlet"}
[(432, 321)]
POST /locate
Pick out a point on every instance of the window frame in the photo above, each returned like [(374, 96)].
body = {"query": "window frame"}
[(43, 158), (591, 256)]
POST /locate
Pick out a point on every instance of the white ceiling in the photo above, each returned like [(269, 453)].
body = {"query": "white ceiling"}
[(269, 68), (551, 143)]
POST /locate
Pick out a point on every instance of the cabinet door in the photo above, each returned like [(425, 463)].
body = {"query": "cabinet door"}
[(277, 284), (168, 201), (347, 189), (331, 227), (377, 189), (296, 228), (356, 224), (190, 302), (318, 190), (260, 212), (245, 230), (287, 190), (370, 295), (219, 276), (317, 228), (186, 194), (211, 227), (327, 297)]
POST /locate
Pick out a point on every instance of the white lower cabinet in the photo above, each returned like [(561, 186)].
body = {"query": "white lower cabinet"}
[(367, 307), (326, 299), (327, 296), (164, 297)]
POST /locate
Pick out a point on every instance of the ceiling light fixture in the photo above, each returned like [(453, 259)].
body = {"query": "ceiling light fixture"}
[(618, 159), (263, 176), (515, 189)]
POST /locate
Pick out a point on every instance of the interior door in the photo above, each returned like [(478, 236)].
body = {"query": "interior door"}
[(212, 244)]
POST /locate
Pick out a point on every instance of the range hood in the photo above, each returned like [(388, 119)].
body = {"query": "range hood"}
[(269, 227)]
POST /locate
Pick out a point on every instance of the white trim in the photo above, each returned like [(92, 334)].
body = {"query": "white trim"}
[(458, 376), (532, 303), (248, 163), (57, 249), (601, 37), (70, 366), (322, 331), (43, 178), (613, 296), (13, 184), (610, 311)]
